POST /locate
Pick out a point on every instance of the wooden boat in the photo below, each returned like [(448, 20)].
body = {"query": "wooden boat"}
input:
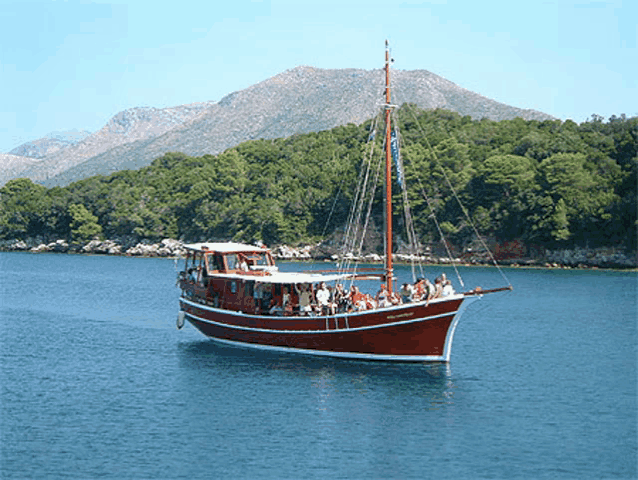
[(235, 294)]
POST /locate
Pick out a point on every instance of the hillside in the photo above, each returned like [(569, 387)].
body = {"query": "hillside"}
[(528, 186), (15, 166), (129, 126), (50, 144), (300, 100), (29, 155)]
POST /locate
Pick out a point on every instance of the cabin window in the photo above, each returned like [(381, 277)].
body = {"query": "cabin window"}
[(232, 262), (250, 289), (233, 286), (196, 267), (259, 259), (216, 262), (193, 260)]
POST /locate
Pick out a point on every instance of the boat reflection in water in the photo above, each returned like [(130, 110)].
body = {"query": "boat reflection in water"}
[(430, 384)]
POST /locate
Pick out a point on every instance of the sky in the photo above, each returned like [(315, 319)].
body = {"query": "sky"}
[(72, 65)]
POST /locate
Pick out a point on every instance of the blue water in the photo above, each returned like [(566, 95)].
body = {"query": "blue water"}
[(98, 383)]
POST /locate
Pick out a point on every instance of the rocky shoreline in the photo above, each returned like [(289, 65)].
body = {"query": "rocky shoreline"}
[(576, 258)]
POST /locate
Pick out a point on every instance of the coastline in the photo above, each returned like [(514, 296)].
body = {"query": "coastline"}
[(603, 258)]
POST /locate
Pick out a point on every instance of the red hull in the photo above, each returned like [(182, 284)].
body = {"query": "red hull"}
[(413, 332)]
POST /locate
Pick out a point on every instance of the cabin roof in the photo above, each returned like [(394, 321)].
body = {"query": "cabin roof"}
[(224, 247)]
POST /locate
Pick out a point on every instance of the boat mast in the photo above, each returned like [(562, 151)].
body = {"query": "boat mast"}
[(388, 174)]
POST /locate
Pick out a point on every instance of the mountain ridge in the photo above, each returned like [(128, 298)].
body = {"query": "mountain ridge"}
[(298, 100), (50, 143)]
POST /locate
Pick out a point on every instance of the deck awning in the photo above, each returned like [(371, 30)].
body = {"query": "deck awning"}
[(286, 277), (224, 247)]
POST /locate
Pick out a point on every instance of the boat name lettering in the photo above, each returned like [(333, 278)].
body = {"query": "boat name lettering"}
[(392, 317)]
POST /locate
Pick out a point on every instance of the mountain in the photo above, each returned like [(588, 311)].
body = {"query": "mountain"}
[(300, 100), (50, 144), (130, 126), (14, 166), (17, 161)]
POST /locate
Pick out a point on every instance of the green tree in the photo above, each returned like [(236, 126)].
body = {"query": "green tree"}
[(503, 188), (567, 176), (84, 224), (558, 221), (24, 209), (552, 183)]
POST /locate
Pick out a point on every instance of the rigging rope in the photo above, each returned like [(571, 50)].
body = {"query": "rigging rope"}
[(325, 227), (353, 229), (409, 224), (438, 227), (463, 209)]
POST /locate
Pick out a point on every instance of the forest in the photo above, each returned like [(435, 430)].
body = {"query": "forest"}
[(549, 184)]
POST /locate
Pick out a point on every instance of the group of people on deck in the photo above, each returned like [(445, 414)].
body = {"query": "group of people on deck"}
[(325, 300), (423, 289)]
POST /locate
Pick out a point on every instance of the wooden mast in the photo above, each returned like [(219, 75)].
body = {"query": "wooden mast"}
[(388, 174)]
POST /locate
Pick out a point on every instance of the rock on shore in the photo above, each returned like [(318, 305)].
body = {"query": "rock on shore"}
[(603, 258), (576, 258), (166, 248)]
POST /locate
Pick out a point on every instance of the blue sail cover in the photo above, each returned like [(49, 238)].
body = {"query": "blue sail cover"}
[(394, 149)]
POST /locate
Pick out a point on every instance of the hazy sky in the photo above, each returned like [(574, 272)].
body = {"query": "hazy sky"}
[(74, 64)]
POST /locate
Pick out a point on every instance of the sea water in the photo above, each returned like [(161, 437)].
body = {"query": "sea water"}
[(98, 383)]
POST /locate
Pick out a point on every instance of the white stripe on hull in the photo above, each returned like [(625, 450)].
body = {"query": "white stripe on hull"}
[(325, 353), (445, 357), (315, 332)]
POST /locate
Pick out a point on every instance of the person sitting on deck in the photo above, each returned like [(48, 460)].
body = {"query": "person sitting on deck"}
[(276, 308), (430, 290), (192, 275), (332, 302), (340, 298), (419, 290), (448, 289), (406, 293), (285, 301), (370, 303), (305, 299), (323, 298), (395, 298), (266, 301), (258, 295), (243, 264), (438, 287), (356, 299), (439, 283), (383, 297)]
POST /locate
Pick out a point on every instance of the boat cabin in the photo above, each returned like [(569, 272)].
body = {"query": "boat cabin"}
[(244, 278)]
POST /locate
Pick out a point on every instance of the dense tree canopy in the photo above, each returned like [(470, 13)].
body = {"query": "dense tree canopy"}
[(550, 183)]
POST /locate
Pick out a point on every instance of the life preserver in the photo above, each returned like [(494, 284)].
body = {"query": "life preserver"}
[(181, 317)]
